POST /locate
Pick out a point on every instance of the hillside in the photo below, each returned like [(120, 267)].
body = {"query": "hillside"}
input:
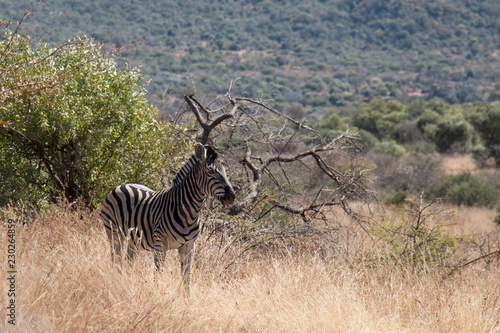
[(317, 53)]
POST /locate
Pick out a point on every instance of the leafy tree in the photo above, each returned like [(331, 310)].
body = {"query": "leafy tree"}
[(381, 118), (331, 124), (73, 125), (448, 130), (486, 121), (438, 105), (427, 117)]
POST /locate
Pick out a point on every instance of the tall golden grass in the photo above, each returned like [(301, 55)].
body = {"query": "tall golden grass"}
[(67, 283)]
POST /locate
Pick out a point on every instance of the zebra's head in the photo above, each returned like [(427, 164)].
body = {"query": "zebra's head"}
[(215, 181)]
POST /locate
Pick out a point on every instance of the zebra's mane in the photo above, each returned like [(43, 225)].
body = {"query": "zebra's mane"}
[(184, 170)]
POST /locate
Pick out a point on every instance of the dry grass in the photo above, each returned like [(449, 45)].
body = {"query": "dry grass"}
[(456, 164), (475, 220), (66, 283)]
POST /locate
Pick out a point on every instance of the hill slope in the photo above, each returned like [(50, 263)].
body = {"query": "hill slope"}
[(318, 53)]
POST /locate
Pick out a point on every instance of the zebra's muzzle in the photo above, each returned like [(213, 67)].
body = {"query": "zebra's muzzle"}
[(228, 197)]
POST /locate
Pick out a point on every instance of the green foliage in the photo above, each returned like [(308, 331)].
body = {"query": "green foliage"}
[(331, 125), (317, 60), (397, 198), (428, 117), (417, 237), (435, 121), (368, 139), (381, 118), (449, 130), (486, 121), (466, 189), (390, 148), (74, 125)]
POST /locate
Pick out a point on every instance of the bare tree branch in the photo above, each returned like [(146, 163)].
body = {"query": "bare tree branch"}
[(484, 256), (267, 107), (272, 150), (208, 126)]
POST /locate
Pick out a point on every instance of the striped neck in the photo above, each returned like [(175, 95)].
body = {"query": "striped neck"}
[(184, 170), (187, 196)]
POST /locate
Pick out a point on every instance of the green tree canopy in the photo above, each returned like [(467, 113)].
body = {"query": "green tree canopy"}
[(486, 121), (449, 130), (74, 125), (381, 118)]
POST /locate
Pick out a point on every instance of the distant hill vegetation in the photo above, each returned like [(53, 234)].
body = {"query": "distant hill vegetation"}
[(307, 55)]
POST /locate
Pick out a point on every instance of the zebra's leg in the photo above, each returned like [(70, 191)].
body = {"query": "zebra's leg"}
[(116, 240), (186, 257), (159, 252), (159, 257)]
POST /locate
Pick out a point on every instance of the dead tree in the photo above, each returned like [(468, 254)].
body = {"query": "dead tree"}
[(279, 159)]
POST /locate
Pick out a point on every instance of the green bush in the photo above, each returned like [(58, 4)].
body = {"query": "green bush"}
[(390, 148), (397, 198), (73, 125), (466, 189)]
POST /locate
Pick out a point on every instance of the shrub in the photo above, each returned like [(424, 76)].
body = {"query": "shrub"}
[(466, 189), (417, 237), (397, 198), (73, 125), (448, 131)]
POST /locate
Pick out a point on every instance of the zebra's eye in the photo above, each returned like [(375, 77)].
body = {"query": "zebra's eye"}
[(210, 170)]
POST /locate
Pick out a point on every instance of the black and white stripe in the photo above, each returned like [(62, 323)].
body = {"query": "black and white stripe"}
[(166, 219)]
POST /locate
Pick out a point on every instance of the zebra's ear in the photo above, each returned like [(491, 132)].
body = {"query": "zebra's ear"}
[(211, 154), (200, 152)]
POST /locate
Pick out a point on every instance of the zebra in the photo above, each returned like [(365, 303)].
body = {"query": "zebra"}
[(167, 219)]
